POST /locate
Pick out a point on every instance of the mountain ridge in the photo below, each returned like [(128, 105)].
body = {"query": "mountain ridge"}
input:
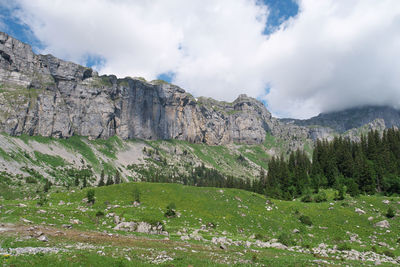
[(47, 96)]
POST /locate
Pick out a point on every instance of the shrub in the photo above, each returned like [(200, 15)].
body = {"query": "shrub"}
[(259, 236), (30, 180), (307, 198), (305, 220), (136, 194), (321, 197), (340, 194), (42, 200), (99, 213), (170, 210), (90, 196), (374, 249), (390, 212), (344, 246), (285, 239), (47, 186), (389, 253)]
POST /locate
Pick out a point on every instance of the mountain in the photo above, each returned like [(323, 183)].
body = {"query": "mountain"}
[(345, 120), (43, 95), (46, 96)]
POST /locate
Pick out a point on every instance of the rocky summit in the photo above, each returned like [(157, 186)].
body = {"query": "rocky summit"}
[(44, 95)]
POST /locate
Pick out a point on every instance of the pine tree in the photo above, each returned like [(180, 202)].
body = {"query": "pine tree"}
[(101, 181), (117, 178), (110, 180)]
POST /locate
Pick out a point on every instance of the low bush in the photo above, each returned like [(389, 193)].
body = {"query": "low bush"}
[(389, 253), (321, 197), (90, 196), (170, 210), (307, 198), (344, 246), (305, 220), (285, 239), (390, 213)]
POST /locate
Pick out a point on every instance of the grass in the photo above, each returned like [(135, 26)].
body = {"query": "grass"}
[(236, 214), (77, 144), (54, 161)]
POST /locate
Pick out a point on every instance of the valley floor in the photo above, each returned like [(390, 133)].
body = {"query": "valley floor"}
[(212, 227)]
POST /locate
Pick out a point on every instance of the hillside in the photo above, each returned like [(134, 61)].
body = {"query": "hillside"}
[(234, 226)]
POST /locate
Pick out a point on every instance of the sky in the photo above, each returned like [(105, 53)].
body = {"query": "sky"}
[(300, 57)]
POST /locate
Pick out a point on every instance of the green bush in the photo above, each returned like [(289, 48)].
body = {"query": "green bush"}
[(344, 246), (30, 180), (285, 239), (90, 196), (304, 219), (99, 213), (321, 197), (307, 198), (389, 253), (42, 200), (390, 212), (136, 194), (259, 236), (170, 210)]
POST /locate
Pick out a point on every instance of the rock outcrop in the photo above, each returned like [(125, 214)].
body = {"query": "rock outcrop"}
[(43, 95)]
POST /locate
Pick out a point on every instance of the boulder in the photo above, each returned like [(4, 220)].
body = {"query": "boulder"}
[(382, 224), (43, 238), (359, 211)]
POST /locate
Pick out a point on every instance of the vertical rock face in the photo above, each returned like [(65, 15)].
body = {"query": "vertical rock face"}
[(43, 95)]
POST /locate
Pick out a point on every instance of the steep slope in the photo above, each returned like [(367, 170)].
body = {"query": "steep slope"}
[(43, 95)]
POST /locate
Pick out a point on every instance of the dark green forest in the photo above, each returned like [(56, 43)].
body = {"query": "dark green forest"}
[(366, 167)]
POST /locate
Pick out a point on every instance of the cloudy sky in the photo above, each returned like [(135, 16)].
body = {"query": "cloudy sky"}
[(299, 57)]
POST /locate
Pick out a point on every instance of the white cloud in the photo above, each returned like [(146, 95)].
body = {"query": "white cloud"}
[(334, 54)]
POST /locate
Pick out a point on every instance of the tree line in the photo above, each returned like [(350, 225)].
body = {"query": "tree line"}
[(366, 167)]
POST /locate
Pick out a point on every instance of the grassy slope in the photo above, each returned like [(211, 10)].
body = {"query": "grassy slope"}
[(199, 206)]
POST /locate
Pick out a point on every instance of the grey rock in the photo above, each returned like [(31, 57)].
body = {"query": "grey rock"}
[(43, 95), (43, 238), (359, 211), (382, 224)]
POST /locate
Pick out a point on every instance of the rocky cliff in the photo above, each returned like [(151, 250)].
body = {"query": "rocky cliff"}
[(43, 95)]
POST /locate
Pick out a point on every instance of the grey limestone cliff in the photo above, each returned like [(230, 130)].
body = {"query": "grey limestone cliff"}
[(43, 95)]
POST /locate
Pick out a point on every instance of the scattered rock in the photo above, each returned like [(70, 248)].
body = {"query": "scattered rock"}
[(370, 218), (385, 201), (22, 205), (238, 199), (43, 238), (41, 211), (222, 246), (25, 220), (359, 211), (75, 221), (295, 231), (382, 224), (61, 203), (185, 237)]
